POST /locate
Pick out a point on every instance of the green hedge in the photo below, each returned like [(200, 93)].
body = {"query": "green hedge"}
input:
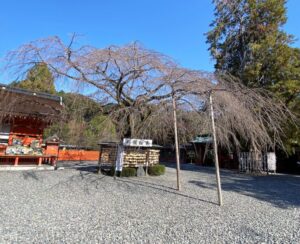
[(111, 172), (154, 170), (157, 169), (128, 172)]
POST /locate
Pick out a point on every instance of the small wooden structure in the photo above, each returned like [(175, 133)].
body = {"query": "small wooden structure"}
[(202, 146), (23, 117), (134, 156)]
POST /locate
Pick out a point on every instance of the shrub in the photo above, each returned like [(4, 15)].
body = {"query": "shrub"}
[(157, 169), (108, 171), (128, 172), (111, 172)]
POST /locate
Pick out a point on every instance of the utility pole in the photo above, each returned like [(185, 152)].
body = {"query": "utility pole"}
[(215, 149), (176, 142)]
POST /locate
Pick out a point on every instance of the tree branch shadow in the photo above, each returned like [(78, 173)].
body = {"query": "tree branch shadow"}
[(163, 188), (30, 175), (86, 177), (280, 191)]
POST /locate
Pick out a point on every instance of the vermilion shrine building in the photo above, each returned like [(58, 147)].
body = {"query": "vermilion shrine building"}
[(23, 117)]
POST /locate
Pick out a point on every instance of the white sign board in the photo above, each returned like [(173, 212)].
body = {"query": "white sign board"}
[(120, 158), (137, 142), (271, 157)]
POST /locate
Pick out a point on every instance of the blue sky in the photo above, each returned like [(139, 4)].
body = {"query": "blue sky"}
[(173, 27)]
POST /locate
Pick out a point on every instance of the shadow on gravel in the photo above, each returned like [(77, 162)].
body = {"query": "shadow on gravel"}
[(87, 179), (280, 190), (84, 166), (165, 189), (192, 167), (89, 174), (90, 169), (30, 175)]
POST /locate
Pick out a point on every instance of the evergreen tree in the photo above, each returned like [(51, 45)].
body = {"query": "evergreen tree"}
[(83, 122), (287, 86), (247, 41), (39, 79)]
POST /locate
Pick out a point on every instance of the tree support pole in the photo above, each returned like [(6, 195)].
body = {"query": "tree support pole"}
[(176, 143), (215, 150)]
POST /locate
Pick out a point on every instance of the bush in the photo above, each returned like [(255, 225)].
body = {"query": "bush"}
[(111, 172), (128, 172), (157, 169), (108, 171)]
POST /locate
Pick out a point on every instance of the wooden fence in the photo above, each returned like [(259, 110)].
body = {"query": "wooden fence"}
[(256, 162), (78, 155)]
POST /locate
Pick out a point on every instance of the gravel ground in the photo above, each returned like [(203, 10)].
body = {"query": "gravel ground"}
[(79, 206)]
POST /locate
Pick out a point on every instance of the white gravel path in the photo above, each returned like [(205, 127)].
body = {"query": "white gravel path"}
[(78, 206)]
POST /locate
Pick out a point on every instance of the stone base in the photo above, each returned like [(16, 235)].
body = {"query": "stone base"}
[(25, 167)]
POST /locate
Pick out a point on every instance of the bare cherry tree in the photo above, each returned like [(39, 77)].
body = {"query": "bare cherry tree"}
[(144, 92), (127, 77), (243, 116), (137, 86)]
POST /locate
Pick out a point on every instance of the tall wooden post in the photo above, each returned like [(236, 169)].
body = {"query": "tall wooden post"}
[(215, 150), (100, 159), (176, 143)]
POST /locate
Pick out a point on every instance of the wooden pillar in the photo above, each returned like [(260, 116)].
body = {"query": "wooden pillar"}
[(215, 150), (115, 163), (147, 160), (99, 159), (40, 161), (16, 161), (53, 161), (176, 143)]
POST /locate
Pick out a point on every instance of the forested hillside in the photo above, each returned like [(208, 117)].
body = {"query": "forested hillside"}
[(83, 123)]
